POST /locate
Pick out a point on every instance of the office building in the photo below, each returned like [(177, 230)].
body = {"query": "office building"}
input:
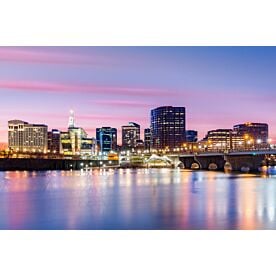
[(168, 127), (130, 136), (25, 137), (255, 134), (54, 141), (75, 141), (106, 139), (223, 139), (147, 138), (66, 145), (71, 140), (88, 147), (191, 136)]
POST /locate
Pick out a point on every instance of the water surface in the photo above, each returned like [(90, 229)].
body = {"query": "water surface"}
[(136, 199)]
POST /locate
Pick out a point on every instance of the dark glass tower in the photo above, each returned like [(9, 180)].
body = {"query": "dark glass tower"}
[(147, 138), (106, 139), (191, 136), (168, 127)]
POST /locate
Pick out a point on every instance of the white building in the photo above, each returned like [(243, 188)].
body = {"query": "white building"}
[(25, 137)]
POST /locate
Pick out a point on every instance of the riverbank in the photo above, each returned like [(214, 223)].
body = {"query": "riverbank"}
[(35, 164)]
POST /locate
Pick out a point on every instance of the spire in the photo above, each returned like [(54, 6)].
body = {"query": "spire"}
[(71, 122)]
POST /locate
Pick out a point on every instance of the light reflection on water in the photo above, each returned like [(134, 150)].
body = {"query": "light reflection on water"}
[(136, 199)]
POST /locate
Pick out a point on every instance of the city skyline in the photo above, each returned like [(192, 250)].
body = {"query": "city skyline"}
[(111, 86)]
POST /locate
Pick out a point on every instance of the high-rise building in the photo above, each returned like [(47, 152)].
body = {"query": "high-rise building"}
[(168, 126), (223, 139), (254, 133), (191, 136), (147, 138), (106, 139), (54, 141), (27, 137), (75, 140), (71, 140), (77, 134), (130, 136)]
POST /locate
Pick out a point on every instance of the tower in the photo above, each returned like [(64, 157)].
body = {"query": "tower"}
[(168, 126), (71, 123)]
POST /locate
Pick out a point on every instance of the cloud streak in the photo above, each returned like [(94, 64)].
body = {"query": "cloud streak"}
[(122, 103), (67, 88), (40, 56)]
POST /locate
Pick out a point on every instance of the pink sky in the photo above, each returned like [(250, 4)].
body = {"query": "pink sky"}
[(110, 86)]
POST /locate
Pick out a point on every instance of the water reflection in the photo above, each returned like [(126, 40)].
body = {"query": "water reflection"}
[(136, 199)]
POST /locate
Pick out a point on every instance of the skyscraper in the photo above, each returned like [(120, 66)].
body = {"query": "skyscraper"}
[(106, 139), (75, 140), (54, 141), (168, 126), (77, 134), (27, 137), (147, 138), (130, 136)]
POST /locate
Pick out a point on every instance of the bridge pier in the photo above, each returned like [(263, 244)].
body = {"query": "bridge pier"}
[(238, 161)]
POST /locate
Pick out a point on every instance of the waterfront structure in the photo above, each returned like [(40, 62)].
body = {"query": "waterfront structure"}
[(191, 136), (255, 134), (130, 136), (25, 137), (72, 140), (88, 147), (54, 141), (147, 139), (77, 134), (224, 139), (106, 139), (66, 145), (75, 141), (168, 126)]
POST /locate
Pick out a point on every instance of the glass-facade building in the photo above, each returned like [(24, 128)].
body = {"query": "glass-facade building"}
[(168, 127), (191, 136), (147, 138), (106, 139)]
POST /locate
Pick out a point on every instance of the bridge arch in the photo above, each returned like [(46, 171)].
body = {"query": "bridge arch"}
[(195, 166), (246, 167), (180, 165), (212, 166)]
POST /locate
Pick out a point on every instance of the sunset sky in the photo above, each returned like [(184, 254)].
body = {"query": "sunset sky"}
[(110, 86)]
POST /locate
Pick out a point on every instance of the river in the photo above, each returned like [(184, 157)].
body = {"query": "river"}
[(136, 199)]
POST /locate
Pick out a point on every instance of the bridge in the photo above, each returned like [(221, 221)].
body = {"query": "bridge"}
[(233, 161)]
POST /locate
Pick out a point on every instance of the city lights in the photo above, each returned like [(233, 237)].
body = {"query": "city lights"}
[(164, 137)]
